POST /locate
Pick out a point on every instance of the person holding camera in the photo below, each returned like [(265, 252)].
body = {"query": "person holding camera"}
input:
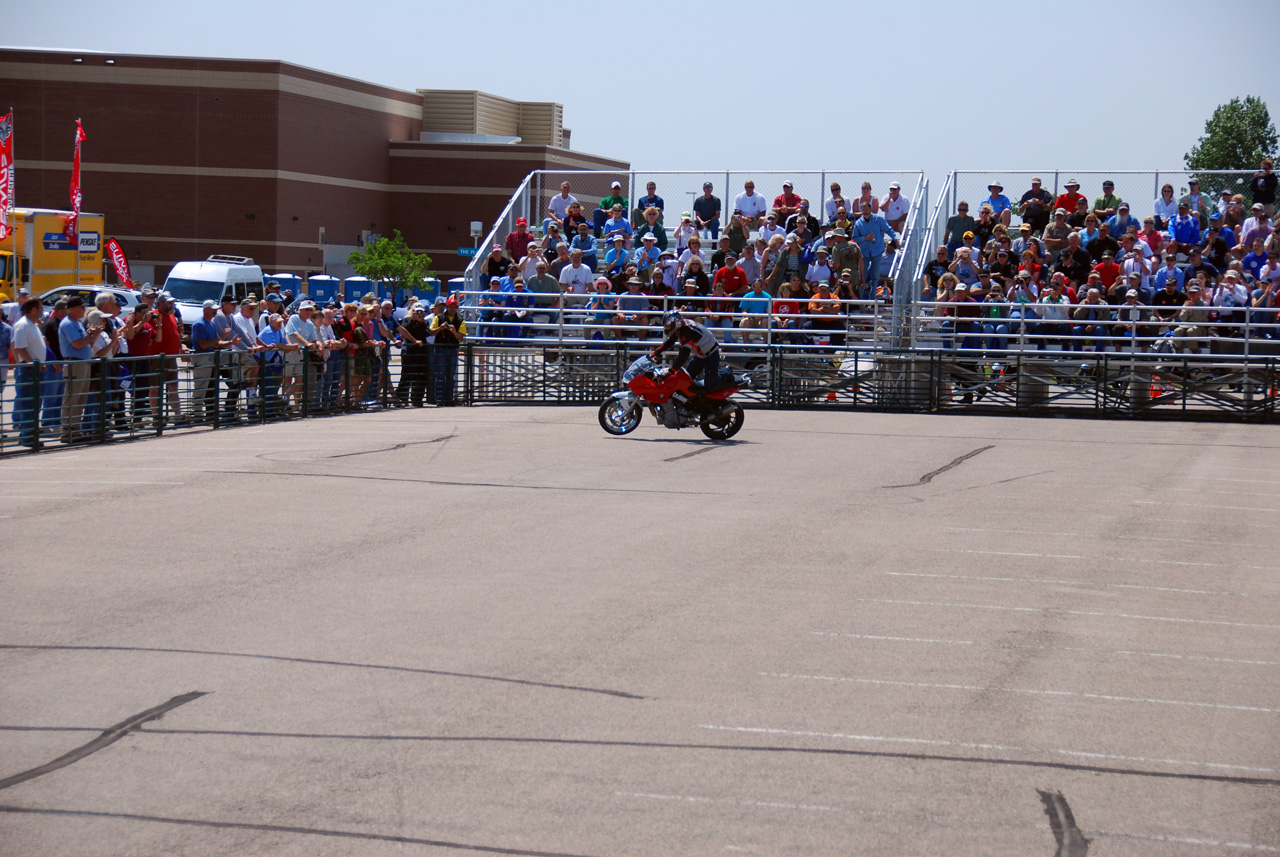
[(75, 341)]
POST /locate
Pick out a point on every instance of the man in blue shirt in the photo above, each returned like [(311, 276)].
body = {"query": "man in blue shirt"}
[(1120, 222), (650, 199), (646, 256), (1184, 230), (586, 242), (76, 344), (1001, 207), (755, 304), (205, 341), (706, 212), (1169, 271), (1255, 259), (872, 234)]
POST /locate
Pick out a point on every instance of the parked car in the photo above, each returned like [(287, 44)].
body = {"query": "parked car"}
[(127, 298)]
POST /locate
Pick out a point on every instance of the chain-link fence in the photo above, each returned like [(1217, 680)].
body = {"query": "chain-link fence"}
[(678, 192)]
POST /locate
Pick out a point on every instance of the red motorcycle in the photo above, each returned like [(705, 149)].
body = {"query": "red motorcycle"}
[(673, 399)]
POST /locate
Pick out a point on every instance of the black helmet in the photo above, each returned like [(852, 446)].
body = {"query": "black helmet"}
[(671, 320)]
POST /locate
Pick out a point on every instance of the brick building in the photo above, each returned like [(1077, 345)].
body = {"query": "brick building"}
[(295, 167)]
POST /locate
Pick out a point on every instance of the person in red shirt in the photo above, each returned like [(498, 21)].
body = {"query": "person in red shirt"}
[(144, 340), (785, 310), (170, 346), (517, 243), (1069, 199), (733, 278), (786, 203), (1107, 270)]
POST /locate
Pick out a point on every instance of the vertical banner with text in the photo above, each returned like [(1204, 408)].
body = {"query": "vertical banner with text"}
[(6, 174), (73, 224), (121, 263)]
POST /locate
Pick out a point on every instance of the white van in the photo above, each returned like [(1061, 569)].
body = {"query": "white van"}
[(193, 283)]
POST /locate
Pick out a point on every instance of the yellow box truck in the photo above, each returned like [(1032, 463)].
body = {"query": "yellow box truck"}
[(36, 253)]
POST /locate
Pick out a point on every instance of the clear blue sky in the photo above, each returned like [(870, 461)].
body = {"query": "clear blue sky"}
[(911, 84)]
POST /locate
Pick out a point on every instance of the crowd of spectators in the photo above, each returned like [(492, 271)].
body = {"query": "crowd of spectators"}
[(1183, 275), (84, 371), (617, 270)]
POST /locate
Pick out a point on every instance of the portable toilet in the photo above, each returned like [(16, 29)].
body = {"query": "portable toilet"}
[(429, 289), (357, 287), (291, 282), (322, 288)]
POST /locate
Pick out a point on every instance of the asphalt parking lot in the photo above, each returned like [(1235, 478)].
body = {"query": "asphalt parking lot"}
[(499, 630)]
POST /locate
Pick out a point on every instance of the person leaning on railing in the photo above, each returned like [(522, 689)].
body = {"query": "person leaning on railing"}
[(824, 310), (1192, 320), (29, 346)]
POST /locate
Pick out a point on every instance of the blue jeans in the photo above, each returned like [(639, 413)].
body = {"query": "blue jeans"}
[(872, 278), (999, 341), (52, 385), (26, 404), (713, 229), (444, 371), (725, 324)]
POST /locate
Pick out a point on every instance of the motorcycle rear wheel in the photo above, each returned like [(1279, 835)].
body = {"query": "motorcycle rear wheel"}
[(725, 428), (615, 419)]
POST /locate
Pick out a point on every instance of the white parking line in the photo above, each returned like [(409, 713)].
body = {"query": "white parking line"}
[(955, 605), (969, 745), (895, 639), (1002, 531), (1079, 583), (1205, 506), (1106, 558), (1219, 491), (1183, 840), (975, 688), (50, 497), (736, 802), (1128, 652)]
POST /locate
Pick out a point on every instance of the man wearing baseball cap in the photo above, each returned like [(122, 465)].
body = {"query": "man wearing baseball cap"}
[(449, 330), (615, 197), (894, 207), (517, 243), (706, 212), (1036, 204), (1108, 204)]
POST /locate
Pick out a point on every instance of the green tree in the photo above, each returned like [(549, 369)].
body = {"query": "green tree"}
[(1237, 136), (391, 259)]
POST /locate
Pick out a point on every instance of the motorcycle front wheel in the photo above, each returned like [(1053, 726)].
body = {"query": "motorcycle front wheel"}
[(724, 428), (619, 417)]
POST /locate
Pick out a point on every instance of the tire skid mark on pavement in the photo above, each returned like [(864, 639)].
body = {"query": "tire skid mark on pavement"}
[(108, 737), (955, 462), (1234, 779), (458, 484), (320, 662)]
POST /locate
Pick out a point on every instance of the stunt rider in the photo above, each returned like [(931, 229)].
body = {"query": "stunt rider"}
[(695, 338)]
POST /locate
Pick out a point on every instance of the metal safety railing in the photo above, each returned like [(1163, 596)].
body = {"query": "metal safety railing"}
[(70, 402)]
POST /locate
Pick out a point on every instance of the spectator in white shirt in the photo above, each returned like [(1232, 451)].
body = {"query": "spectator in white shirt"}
[(894, 207), (752, 205)]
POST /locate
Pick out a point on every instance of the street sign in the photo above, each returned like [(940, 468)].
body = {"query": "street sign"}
[(477, 229), (466, 251)]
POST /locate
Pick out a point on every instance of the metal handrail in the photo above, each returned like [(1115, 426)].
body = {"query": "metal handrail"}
[(472, 273)]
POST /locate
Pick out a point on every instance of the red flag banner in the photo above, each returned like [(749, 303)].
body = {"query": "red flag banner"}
[(72, 230), (6, 174), (116, 252)]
